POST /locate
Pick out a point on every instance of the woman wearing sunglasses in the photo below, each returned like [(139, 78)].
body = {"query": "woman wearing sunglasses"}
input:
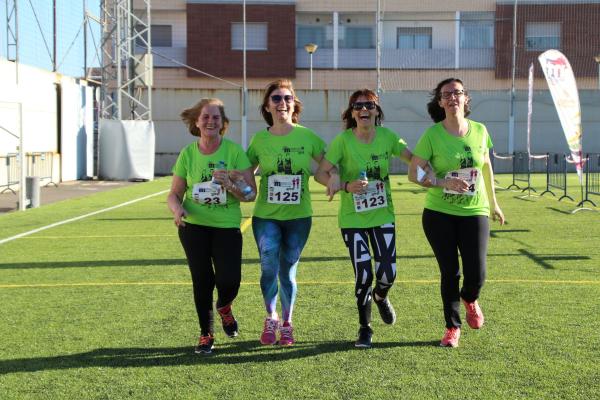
[(282, 213), (458, 203), (363, 154), (206, 208)]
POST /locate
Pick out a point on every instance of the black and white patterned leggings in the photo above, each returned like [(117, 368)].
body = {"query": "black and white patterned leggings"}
[(383, 243)]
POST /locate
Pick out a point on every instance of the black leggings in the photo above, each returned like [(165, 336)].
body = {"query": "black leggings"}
[(448, 234), (204, 247), (383, 243)]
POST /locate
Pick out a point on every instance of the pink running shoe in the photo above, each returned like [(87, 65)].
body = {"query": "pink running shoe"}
[(268, 334), (286, 335), (474, 315), (451, 337)]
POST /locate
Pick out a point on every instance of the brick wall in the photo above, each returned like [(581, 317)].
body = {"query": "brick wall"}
[(209, 40), (580, 37)]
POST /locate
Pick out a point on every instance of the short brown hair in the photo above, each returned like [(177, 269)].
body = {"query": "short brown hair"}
[(190, 115), (271, 87), (350, 122)]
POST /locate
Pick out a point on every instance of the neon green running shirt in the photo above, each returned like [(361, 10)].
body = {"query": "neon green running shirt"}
[(447, 153), (286, 157), (353, 156), (195, 167)]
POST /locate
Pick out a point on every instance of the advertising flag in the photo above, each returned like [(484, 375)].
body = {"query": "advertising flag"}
[(563, 88)]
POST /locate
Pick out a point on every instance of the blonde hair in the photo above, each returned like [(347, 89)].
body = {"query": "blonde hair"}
[(190, 115)]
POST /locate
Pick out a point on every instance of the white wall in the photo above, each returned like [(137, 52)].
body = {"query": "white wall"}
[(405, 112), (36, 90)]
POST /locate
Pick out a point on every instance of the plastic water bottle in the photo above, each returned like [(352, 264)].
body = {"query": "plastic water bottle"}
[(363, 176), (215, 184), (244, 188)]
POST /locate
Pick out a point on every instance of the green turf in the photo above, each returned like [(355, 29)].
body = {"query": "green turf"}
[(102, 308)]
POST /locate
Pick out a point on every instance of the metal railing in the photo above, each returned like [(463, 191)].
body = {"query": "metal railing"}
[(37, 164), (592, 178)]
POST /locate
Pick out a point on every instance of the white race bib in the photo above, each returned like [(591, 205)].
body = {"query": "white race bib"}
[(374, 197), (284, 189), (469, 175), (207, 193)]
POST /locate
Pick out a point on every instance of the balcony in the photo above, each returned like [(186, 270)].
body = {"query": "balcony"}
[(398, 59)]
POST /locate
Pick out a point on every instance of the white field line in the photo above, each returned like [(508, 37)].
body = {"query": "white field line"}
[(66, 221), (177, 283)]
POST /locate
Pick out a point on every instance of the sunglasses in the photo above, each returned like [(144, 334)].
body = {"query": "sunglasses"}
[(359, 105), (276, 98), (457, 93)]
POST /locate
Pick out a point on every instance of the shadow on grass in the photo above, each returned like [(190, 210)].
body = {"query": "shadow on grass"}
[(559, 210), (541, 260), (181, 262), (232, 352), (494, 232)]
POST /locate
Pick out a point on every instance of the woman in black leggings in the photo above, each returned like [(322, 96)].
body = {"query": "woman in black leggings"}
[(206, 209), (459, 200)]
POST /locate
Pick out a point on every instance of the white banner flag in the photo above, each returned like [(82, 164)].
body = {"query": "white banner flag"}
[(563, 88)]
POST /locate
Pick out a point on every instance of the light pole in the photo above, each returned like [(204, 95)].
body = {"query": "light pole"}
[(597, 58), (310, 49)]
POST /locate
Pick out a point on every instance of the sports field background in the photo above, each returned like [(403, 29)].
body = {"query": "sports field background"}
[(101, 308)]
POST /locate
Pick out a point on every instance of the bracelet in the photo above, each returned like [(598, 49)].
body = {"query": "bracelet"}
[(346, 186)]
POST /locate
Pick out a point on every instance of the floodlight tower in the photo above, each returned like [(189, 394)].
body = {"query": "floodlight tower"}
[(126, 91)]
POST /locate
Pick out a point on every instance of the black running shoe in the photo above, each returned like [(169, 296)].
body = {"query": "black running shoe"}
[(230, 325), (386, 310), (205, 345), (364, 337)]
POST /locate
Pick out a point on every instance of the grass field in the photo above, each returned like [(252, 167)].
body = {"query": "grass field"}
[(101, 308)]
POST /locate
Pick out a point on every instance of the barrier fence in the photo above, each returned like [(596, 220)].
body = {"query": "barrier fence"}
[(556, 175), (592, 178), (38, 164), (10, 165)]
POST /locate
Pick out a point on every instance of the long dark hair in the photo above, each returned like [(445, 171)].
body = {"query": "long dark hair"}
[(436, 112), (273, 86), (350, 122)]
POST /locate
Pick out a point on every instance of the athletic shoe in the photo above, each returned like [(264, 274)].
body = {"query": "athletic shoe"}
[(205, 345), (268, 335), (230, 325), (286, 333), (365, 333), (386, 310), (451, 337), (474, 315)]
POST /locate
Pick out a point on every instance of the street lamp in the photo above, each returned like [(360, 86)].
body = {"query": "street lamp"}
[(597, 58), (310, 49)]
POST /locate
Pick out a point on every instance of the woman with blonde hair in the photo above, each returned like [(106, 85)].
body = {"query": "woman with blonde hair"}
[(205, 201)]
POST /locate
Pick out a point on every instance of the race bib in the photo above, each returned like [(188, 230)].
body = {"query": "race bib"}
[(469, 175), (284, 189), (373, 198), (207, 193)]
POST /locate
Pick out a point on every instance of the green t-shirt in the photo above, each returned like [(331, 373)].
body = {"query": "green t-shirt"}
[(352, 157), (447, 153), (278, 156), (195, 167)]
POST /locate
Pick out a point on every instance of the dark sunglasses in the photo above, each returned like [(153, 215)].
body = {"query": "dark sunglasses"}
[(276, 98), (358, 105)]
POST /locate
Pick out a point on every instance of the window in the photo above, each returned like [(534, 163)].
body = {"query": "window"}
[(542, 35), (414, 38), (312, 34), (256, 36), (476, 30), (357, 37), (161, 36)]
